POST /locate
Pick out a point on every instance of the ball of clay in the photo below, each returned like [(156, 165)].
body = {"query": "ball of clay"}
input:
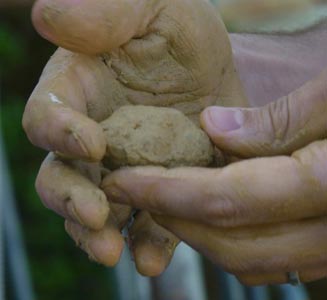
[(147, 135)]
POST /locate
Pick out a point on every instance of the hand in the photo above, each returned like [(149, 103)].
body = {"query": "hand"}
[(70, 188), (259, 218), (164, 53)]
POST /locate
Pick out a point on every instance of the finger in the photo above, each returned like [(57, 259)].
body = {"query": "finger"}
[(313, 274), (104, 246), (253, 191), (72, 195), (55, 115), (121, 214), (269, 249), (277, 128), (92, 27), (262, 278), (306, 275), (152, 245)]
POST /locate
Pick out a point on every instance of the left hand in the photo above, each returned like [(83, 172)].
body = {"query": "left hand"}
[(150, 52), (259, 218)]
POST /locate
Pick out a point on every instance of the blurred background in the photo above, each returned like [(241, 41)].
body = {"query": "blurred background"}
[(56, 268)]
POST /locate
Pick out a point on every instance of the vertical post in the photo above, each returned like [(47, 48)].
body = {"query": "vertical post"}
[(184, 278), (131, 285), (230, 288), (2, 266), (15, 251), (258, 293), (289, 292)]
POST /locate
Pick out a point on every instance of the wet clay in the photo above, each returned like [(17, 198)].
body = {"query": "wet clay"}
[(146, 135)]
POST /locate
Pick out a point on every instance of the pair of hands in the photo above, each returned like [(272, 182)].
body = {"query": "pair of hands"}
[(258, 218)]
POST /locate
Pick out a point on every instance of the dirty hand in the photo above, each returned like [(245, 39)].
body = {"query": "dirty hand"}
[(114, 53), (258, 218)]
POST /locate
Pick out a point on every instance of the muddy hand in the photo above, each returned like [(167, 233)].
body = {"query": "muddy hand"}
[(259, 218)]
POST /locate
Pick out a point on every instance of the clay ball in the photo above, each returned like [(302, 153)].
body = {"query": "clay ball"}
[(146, 135)]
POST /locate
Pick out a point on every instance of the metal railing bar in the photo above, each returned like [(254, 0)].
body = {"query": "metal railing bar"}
[(131, 285), (288, 292), (184, 277), (14, 247)]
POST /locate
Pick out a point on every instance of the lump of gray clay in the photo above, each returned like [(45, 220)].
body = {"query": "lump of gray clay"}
[(146, 135)]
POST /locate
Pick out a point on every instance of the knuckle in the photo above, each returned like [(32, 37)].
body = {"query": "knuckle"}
[(217, 212), (154, 195), (279, 116), (27, 121), (40, 189)]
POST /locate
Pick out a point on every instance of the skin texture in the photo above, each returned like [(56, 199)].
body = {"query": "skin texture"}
[(258, 218), (161, 53), (234, 11), (145, 135)]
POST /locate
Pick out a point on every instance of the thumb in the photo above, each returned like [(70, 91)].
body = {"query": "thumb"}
[(278, 128), (92, 27)]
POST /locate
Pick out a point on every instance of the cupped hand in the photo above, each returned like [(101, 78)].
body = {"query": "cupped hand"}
[(259, 218), (113, 53)]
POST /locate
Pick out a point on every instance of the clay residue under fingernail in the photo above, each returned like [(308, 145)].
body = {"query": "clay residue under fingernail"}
[(72, 211)]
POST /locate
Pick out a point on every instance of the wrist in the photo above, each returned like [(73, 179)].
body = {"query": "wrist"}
[(271, 66)]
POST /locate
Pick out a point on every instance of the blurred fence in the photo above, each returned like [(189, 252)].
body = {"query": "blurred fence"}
[(12, 246)]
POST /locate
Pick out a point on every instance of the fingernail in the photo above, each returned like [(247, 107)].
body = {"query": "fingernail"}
[(105, 251), (90, 208), (71, 209), (223, 119), (115, 194), (76, 143)]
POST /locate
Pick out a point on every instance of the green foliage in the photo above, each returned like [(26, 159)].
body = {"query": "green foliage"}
[(11, 48)]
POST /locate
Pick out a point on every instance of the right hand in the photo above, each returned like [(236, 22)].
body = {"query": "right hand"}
[(259, 218), (164, 53)]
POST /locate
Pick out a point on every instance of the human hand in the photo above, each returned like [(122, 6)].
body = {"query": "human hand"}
[(259, 218), (158, 53), (70, 188)]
